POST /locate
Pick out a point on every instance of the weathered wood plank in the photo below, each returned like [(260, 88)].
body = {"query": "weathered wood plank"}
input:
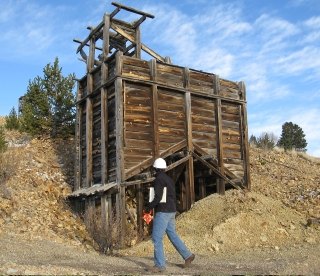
[(155, 118)]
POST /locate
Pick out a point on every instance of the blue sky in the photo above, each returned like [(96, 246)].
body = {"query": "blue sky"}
[(272, 45)]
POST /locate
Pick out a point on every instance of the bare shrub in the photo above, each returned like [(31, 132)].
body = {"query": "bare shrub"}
[(9, 161), (106, 240), (109, 238)]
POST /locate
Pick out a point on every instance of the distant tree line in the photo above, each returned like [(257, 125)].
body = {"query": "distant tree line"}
[(292, 138), (48, 106)]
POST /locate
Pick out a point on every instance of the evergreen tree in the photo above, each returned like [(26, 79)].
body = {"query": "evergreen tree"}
[(3, 142), (35, 109), (253, 140), (12, 121), (266, 141), (48, 107), (61, 99), (292, 137)]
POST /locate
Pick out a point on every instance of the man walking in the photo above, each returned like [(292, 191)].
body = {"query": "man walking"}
[(164, 205)]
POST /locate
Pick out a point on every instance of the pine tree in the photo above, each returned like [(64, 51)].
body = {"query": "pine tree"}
[(35, 109), (253, 140), (266, 141), (62, 101), (12, 120), (48, 107), (292, 137)]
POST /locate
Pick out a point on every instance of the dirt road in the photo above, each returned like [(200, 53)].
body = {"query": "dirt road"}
[(25, 257)]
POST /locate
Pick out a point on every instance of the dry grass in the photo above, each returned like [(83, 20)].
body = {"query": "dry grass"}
[(2, 121), (309, 157), (9, 162), (303, 155)]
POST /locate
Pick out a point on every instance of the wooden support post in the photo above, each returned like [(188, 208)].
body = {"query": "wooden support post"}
[(155, 109), (89, 115), (183, 198), (118, 65), (105, 219), (202, 188), (119, 102), (89, 211), (104, 103), (138, 43), (140, 205), (245, 138), (78, 163), (122, 214), (220, 181), (189, 169)]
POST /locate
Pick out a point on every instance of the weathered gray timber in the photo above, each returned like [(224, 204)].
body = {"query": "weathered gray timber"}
[(131, 111)]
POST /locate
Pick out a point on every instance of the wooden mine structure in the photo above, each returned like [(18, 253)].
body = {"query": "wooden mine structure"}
[(131, 111)]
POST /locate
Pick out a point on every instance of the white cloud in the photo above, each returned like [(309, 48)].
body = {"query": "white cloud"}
[(301, 60), (274, 33), (312, 37), (313, 22)]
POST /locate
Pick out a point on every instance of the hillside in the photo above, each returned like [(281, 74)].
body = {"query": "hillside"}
[(273, 216)]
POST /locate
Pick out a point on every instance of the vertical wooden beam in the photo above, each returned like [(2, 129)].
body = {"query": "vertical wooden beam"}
[(189, 169), (156, 147), (245, 138), (118, 69), (140, 204), (106, 36), (138, 43), (78, 163), (89, 211), (119, 95), (89, 115), (105, 219), (183, 198), (202, 188), (220, 181), (104, 103)]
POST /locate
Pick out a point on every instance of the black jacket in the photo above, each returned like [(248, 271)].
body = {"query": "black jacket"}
[(163, 180)]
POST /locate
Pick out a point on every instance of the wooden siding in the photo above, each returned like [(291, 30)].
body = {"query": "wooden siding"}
[(155, 116), (138, 140)]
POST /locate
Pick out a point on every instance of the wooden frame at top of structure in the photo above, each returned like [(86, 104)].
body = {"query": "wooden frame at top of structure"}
[(116, 35)]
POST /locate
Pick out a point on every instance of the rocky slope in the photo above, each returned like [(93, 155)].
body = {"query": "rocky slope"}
[(32, 200)]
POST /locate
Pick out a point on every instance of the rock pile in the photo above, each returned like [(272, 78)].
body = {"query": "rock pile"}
[(293, 178), (285, 198)]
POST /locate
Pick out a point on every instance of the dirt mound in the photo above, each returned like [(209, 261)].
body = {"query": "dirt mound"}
[(285, 194), (293, 178), (238, 221)]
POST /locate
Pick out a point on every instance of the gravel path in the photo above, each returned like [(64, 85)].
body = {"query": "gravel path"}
[(23, 257)]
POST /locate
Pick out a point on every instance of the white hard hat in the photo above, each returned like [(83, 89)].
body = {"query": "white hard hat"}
[(160, 163)]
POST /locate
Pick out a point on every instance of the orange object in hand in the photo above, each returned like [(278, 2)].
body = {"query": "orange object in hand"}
[(147, 216)]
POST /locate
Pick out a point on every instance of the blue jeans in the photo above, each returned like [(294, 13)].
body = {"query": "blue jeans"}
[(166, 223)]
